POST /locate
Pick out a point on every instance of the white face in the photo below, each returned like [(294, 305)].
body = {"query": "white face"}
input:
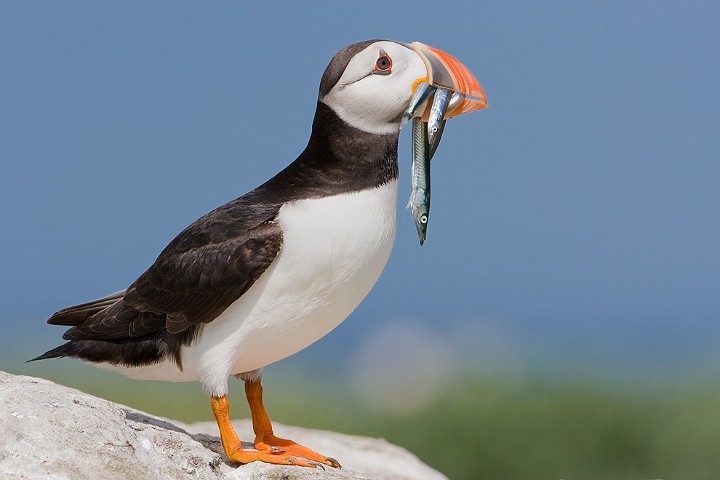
[(369, 97)]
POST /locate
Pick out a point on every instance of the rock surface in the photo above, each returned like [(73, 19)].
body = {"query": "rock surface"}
[(54, 432)]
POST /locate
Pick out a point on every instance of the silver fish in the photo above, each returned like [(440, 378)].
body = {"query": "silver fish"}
[(454, 100), (422, 92), (439, 107), (425, 140), (420, 196), (438, 137)]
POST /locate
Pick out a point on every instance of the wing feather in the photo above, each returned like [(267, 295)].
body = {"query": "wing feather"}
[(77, 314), (185, 287)]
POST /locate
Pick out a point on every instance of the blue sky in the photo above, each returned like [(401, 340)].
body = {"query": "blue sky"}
[(576, 220)]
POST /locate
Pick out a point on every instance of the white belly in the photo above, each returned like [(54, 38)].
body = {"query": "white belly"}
[(333, 252)]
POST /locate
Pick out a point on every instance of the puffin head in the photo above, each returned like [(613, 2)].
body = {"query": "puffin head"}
[(370, 84)]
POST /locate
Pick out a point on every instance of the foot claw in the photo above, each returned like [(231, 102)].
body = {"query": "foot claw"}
[(316, 464), (333, 463)]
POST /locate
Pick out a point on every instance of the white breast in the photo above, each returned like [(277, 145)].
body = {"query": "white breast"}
[(333, 252)]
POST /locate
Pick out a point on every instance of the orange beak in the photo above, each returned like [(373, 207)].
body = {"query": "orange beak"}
[(445, 71)]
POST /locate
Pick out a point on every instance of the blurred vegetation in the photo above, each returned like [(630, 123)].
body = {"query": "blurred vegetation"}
[(483, 426)]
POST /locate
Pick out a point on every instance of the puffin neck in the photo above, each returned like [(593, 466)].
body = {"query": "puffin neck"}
[(339, 159)]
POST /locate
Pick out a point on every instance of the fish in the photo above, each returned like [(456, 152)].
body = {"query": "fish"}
[(422, 91), (436, 119), (456, 98), (454, 101), (419, 201), (425, 140)]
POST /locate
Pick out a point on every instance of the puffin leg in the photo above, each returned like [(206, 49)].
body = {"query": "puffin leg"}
[(265, 440), (233, 446)]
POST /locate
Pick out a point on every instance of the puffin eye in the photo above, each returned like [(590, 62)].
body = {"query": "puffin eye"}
[(383, 66)]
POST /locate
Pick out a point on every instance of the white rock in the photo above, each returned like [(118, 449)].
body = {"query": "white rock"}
[(50, 431)]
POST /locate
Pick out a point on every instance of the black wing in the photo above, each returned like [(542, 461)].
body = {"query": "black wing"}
[(199, 274), (194, 286), (77, 314)]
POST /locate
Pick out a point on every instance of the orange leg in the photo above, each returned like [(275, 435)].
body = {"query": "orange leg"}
[(233, 447), (265, 440)]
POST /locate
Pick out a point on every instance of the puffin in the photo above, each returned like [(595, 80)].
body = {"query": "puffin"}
[(269, 273)]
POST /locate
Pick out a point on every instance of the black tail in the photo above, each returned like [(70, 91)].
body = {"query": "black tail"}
[(57, 352), (127, 351), (130, 352), (72, 317), (108, 330)]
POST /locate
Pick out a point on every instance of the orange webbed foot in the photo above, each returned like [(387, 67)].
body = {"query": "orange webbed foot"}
[(276, 445), (277, 458), (266, 441), (269, 448)]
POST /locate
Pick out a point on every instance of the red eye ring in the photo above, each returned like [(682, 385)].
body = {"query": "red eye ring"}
[(383, 65)]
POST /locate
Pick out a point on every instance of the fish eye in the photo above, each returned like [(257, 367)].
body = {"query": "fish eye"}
[(423, 219), (383, 65)]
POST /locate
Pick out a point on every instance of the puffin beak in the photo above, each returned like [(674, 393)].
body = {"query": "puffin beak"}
[(445, 71)]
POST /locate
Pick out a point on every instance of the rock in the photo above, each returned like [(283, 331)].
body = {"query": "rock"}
[(50, 431)]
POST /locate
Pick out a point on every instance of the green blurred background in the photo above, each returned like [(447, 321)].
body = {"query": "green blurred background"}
[(561, 321)]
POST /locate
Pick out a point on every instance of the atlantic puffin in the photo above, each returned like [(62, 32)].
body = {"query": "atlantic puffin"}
[(269, 273)]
